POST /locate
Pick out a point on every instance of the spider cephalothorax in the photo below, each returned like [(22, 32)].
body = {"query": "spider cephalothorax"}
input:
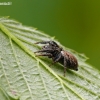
[(54, 51)]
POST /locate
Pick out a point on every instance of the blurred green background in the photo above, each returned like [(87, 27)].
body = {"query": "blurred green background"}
[(75, 23)]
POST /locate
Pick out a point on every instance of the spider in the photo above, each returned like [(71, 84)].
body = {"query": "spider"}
[(52, 50)]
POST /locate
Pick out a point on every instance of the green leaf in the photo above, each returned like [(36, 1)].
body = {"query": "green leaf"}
[(26, 77)]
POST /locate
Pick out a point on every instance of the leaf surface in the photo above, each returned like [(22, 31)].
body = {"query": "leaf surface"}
[(26, 77)]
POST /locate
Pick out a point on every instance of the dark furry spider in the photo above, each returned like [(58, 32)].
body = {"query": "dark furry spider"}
[(52, 50)]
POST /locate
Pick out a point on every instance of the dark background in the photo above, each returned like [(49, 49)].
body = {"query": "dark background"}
[(75, 23)]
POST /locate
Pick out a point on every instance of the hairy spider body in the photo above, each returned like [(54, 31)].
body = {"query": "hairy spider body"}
[(52, 50)]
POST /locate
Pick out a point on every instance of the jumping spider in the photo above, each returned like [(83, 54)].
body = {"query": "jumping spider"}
[(54, 51)]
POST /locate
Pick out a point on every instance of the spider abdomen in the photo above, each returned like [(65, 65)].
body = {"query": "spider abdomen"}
[(71, 61)]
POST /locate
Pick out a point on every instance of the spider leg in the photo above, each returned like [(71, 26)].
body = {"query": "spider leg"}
[(56, 60), (49, 42), (38, 51), (47, 50), (44, 54), (65, 63), (42, 42)]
